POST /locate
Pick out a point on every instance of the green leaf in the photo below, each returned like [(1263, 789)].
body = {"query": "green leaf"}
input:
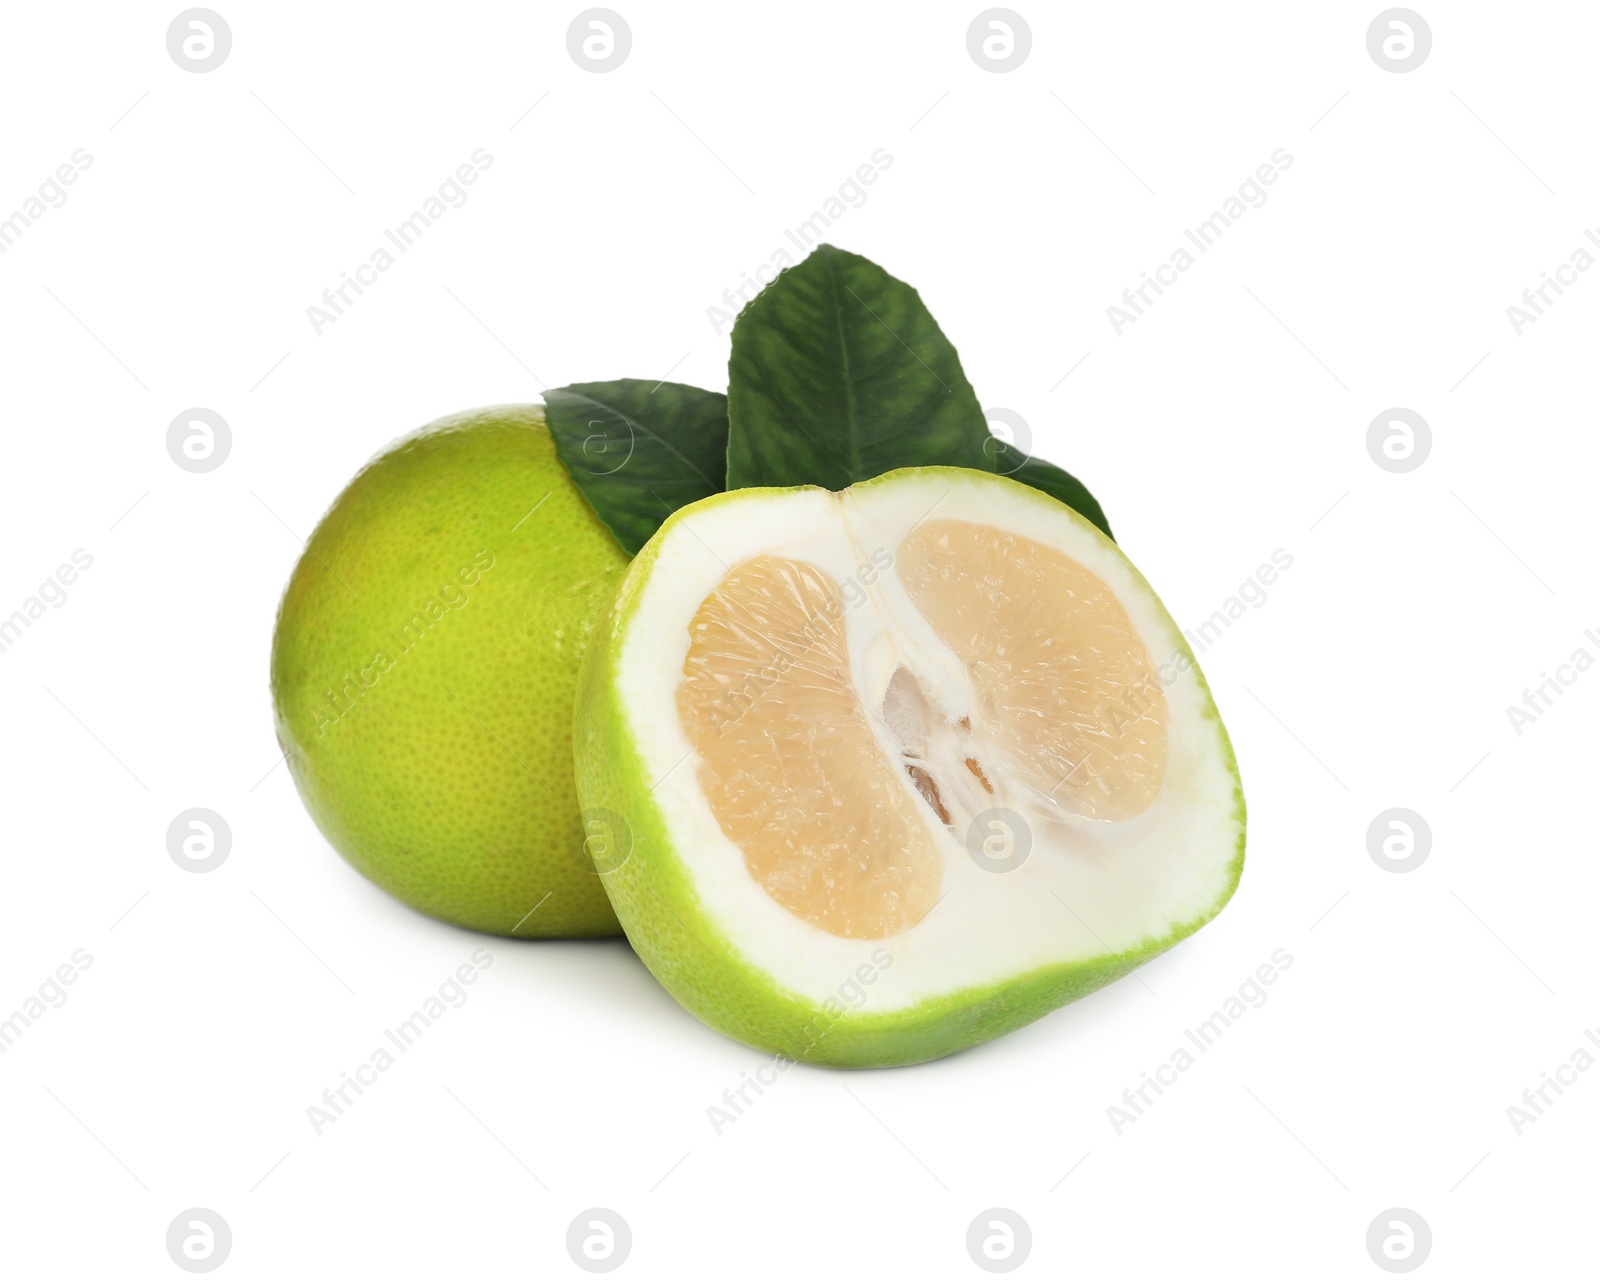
[(640, 450), (1059, 484), (839, 373)]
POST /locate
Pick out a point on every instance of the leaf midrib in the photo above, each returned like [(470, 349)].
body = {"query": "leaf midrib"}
[(830, 261)]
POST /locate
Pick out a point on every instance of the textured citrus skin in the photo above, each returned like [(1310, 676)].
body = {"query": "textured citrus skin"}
[(424, 667), (693, 958)]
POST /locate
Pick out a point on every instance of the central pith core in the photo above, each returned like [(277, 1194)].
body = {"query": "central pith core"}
[(1043, 702), (939, 756)]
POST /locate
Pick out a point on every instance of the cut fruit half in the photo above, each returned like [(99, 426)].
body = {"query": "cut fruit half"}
[(881, 774)]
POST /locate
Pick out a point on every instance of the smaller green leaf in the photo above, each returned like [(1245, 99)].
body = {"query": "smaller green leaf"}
[(640, 449), (1058, 484)]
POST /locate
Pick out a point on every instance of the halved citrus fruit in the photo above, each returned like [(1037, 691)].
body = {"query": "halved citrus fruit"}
[(883, 773)]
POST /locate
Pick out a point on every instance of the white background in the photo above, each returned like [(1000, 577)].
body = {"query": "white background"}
[(1224, 424)]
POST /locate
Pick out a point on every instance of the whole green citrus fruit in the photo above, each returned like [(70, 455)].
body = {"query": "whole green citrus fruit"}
[(425, 666)]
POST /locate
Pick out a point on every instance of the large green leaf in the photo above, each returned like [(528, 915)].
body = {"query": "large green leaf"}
[(839, 373), (640, 450)]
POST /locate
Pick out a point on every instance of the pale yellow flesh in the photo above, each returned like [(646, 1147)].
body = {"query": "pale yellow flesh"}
[(1064, 684), (1065, 713)]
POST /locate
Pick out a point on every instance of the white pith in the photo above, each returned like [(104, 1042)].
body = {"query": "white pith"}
[(1087, 889)]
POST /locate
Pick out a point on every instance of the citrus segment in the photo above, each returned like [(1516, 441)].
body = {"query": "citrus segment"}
[(788, 760), (1068, 699)]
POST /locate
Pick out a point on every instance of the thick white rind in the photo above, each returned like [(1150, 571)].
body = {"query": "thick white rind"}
[(1100, 889)]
